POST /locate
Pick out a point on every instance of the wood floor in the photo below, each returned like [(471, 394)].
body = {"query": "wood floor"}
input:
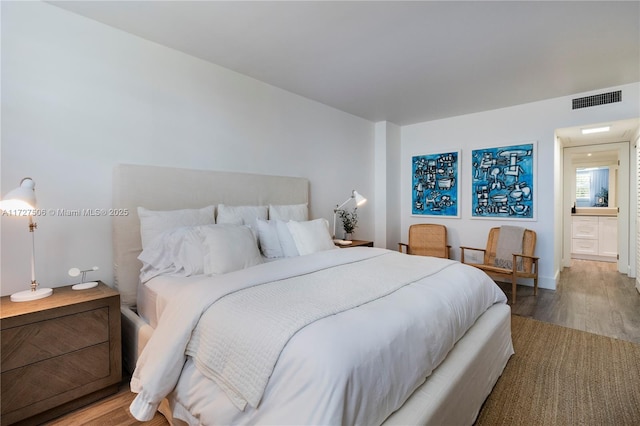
[(591, 296), (111, 411)]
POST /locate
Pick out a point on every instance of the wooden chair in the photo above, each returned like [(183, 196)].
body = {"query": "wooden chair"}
[(427, 239), (529, 268)]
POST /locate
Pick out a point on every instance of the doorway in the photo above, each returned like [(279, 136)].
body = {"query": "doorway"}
[(596, 225), (574, 147)]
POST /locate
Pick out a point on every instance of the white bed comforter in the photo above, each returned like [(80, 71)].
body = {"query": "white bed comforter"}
[(354, 367)]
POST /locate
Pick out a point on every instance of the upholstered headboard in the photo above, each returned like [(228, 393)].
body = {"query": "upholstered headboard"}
[(168, 188)]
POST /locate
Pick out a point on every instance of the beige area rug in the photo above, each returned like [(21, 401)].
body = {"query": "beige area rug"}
[(562, 376)]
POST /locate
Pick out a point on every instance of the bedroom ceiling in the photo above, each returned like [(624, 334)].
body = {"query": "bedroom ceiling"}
[(404, 62)]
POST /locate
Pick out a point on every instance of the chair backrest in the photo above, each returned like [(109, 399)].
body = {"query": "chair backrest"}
[(528, 247), (428, 239)]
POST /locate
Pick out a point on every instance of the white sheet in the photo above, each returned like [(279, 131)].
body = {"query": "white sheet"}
[(157, 293), (347, 380)]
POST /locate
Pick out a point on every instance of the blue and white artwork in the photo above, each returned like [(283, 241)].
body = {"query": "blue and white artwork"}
[(435, 184), (503, 182)]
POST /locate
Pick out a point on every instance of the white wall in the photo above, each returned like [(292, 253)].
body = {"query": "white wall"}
[(394, 146), (529, 122), (387, 154), (79, 97)]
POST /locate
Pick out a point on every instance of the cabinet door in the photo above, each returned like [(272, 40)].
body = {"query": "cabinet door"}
[(608, 236), (585, 227)]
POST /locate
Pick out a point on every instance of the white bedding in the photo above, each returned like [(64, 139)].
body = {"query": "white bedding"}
[(355, 367), (155, 294)]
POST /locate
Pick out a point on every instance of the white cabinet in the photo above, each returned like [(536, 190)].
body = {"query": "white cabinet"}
[(584, 246), (594, 237), (584, 235), (608, 236)]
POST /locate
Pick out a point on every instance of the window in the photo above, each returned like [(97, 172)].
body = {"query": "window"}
[(592, 186), (583, 185)]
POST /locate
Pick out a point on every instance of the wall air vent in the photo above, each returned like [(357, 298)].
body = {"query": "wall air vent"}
[(600, 99)]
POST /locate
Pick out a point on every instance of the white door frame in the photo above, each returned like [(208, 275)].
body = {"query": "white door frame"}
[(623, 199)]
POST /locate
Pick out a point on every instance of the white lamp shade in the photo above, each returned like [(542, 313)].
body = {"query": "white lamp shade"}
[(21, 198), (360, 200)]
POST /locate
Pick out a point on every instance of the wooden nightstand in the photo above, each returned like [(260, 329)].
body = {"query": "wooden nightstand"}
[(59, 353), (357, 243)]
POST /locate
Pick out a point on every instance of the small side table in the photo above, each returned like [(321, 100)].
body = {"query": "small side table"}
[(357, 243), (59, 353)]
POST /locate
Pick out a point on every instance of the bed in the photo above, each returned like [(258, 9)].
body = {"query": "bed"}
[(311, 354)]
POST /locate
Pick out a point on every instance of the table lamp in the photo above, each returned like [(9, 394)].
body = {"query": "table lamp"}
[(359, 200), (22, 202)]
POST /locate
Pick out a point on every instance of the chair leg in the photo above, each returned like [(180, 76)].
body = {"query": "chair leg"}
[(513, 290), (535, 286)]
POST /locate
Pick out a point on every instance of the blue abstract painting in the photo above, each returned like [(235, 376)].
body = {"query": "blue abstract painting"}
[(435, 184), (503, 180)]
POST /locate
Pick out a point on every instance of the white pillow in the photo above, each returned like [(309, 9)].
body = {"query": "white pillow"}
[(269, 240), (229, 248), (154, 222), (177, 251), (241, 215), (311, 236), (297, 212), (287, 243), (275, 239)]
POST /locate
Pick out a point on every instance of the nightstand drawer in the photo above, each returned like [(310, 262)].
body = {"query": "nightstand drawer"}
[(46, 339), (54, 377)]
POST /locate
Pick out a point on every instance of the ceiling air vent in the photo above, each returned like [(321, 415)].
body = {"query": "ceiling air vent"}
[(601, 99)]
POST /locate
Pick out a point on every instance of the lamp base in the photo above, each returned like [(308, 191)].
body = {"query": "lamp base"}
[(28, 295)]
